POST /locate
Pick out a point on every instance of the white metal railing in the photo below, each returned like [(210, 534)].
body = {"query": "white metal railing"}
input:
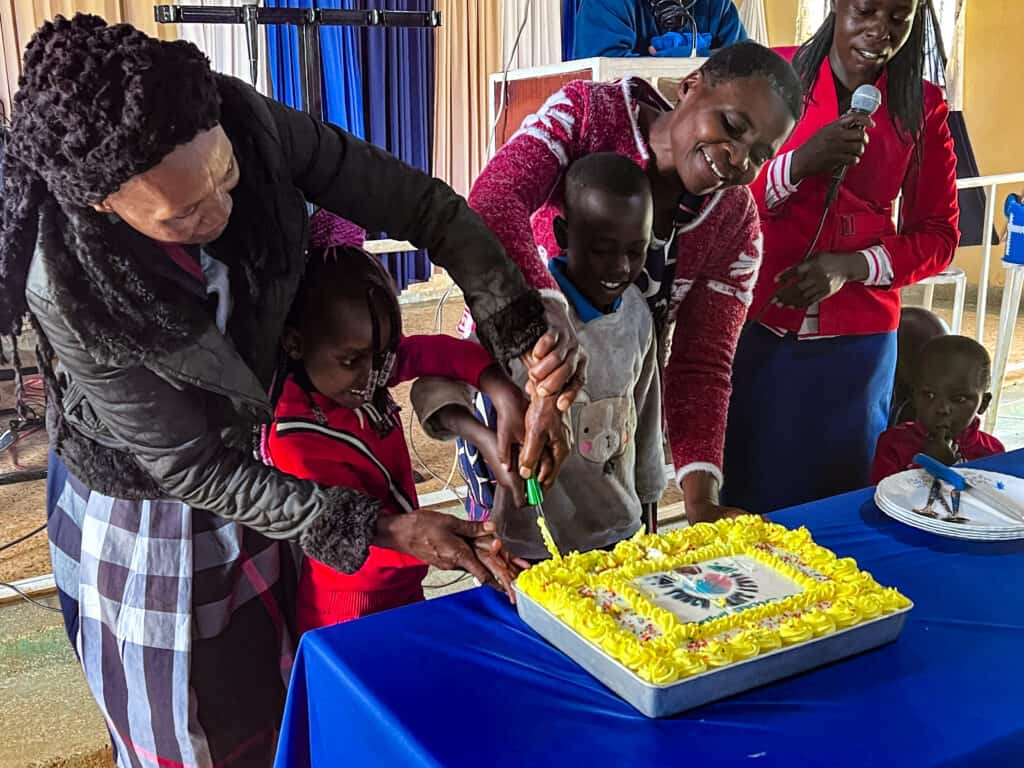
[(1011, 292), (990, 184)]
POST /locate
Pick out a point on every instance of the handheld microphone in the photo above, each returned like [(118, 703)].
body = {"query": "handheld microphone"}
[(866, 101)]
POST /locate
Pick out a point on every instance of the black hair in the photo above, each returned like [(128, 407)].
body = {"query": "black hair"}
[(608, 172), (948, 349), (346, 272), (749, 59), (905, 82), (97, 105)]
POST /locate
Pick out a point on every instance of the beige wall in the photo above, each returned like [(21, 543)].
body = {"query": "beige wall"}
[(781, 21), (987, 108), (992, 113)]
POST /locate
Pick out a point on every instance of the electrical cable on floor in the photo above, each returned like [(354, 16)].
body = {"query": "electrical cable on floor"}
[(26, 537), (504, 77), (29, 599), (423, 464)]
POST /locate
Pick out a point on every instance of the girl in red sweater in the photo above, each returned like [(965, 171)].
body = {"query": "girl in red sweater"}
[(336, 422)]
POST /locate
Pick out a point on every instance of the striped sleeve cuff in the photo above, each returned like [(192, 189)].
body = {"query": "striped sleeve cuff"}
[(698, 466), (555, 295), (879, 266), (780, 185)]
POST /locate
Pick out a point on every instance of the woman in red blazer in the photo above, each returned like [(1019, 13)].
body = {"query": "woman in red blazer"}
[(813, 374)]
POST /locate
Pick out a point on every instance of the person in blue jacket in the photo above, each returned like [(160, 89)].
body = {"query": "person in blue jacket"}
[(621, 28)]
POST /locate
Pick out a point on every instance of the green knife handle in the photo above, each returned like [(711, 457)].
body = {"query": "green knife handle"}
[(534, 496)]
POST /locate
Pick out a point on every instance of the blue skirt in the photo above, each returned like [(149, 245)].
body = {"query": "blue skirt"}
[(805, 417)]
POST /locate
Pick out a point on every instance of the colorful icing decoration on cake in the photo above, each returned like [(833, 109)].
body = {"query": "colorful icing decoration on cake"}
[(674, 605)]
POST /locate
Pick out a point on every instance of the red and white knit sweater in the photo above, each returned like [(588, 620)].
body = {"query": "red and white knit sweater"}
[(520, 192)]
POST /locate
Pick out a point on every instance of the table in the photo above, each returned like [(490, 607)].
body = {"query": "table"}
[(461, 681)]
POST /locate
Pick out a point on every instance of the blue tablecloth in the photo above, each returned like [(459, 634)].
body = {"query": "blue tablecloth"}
[(461, 681)]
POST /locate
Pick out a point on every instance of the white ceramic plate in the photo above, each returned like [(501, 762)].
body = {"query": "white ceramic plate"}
[(899, 495), (953, 531)]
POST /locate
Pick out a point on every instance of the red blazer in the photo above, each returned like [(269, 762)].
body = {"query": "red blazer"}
[(862, 214)]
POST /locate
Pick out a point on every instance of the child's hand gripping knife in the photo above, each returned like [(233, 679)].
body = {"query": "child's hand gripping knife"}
[(497, 448)]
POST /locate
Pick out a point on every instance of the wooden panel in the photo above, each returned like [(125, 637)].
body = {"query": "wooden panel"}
[(524, 97)]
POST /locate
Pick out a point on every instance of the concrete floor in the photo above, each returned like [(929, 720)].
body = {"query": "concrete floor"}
[(1010, 424), (48, 717)]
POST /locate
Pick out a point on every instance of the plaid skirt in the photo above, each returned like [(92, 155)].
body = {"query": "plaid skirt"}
[(180, 620)]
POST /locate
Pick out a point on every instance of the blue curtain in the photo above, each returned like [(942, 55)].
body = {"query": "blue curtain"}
[(398, 80), (569, 10), (377, 84), (341, 62)]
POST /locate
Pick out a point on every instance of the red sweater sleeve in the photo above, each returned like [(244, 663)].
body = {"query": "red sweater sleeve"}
[(710, 316), (439, 355), (521, 176), (890, 455), (929, 233), (316, 458)]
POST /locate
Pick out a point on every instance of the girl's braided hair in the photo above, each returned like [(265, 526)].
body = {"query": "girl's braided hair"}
[(338, 268)]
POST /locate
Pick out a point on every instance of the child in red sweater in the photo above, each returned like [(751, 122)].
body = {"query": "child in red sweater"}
[(950, 392), (336, 423)]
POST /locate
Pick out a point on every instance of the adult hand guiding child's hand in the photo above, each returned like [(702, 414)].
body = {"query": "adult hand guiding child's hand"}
[(556, 364), (449, 543), (548, 439), (557, 372)]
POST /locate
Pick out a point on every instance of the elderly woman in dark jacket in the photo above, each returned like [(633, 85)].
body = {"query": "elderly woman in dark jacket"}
[(155, 220)]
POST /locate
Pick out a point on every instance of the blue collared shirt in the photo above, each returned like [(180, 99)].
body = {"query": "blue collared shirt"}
[(584, 309)]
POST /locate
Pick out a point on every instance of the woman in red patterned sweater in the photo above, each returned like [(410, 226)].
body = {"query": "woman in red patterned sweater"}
[(732, 116)]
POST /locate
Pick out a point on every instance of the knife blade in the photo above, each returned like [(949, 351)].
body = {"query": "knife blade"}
[(535, 498)]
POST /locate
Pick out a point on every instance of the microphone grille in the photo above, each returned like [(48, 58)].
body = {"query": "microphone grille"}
[(866, 99)]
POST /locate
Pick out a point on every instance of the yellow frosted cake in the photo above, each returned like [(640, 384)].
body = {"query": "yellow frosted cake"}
[(674, 605)]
